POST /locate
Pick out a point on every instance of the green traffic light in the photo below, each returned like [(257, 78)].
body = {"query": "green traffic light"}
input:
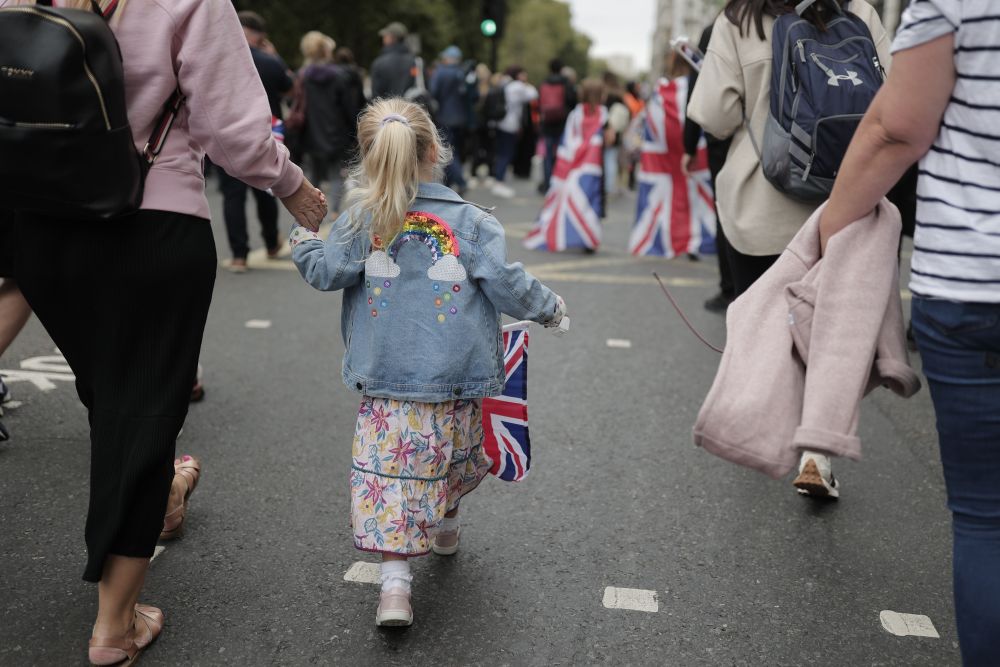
[(489, 27)]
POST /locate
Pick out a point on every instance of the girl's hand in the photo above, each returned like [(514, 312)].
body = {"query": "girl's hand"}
[(307, 205), (560, 313)]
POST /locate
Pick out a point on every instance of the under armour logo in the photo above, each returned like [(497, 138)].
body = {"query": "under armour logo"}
[(835, 79)]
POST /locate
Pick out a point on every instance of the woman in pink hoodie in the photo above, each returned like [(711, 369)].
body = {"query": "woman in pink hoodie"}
[(126, 301)]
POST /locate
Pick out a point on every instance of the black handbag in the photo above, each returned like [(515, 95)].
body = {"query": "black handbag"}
[(66, 147)]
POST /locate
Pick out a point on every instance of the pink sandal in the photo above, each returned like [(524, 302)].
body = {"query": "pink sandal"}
[(146, 627), (188, 468)]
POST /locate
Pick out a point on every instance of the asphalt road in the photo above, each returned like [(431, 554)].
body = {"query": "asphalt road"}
[(742, 570)]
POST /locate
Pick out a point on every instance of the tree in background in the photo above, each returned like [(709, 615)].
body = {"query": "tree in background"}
[(539, 30), (535, 31)]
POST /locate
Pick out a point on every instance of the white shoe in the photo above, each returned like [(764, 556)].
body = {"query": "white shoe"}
[(446, 543), (394, 608), (489, 182), (472, 182), (503, 191), (816, 477)]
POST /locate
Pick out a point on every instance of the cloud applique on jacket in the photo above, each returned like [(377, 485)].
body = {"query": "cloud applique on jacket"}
[(380, 265), (447, 269)]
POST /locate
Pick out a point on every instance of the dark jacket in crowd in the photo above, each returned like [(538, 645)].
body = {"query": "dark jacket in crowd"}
[(717, 149), (449, 89), (392, 71), (274, 75), (331, 112), (354, 84), (555, 129)]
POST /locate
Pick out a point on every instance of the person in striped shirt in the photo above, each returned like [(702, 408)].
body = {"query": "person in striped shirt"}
[(941, 106)]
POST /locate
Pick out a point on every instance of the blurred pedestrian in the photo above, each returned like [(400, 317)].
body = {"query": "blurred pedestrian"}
[(556, 98), (731, 101), (405, 503), (674, 213), (630, 152), (331, 115), (344, 58), (449, 88), (716, 151), (618, 120), (484, 135), (392, 73), (925, 111), (574, 204), (276, 79), (517, 93), (131, 327)]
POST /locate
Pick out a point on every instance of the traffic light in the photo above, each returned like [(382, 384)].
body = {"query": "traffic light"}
[(494, 12)]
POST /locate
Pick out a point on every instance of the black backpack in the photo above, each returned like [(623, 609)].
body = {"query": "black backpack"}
[(66, 148), (822, 83), (495, 104)]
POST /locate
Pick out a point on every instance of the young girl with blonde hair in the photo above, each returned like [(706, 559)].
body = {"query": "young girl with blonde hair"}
[(425, 280)]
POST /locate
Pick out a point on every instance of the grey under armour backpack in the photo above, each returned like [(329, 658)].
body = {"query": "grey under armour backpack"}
[(822, 82)]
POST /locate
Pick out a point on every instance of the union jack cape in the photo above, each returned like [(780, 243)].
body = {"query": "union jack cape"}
[(675, 215), (505, 417), (574, 205)]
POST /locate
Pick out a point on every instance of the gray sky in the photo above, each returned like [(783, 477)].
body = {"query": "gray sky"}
[(617, 26)]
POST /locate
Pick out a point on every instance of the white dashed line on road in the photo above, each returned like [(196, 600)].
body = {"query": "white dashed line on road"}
[(619, 343), (12, 405), (156, 552), (258, 324), (908, 625), (364, 573), (634, 599)]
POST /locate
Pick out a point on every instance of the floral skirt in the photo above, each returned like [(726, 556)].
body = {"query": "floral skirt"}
[(412, 463)]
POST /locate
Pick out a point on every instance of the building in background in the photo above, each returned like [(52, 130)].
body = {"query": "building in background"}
[(688, 18), (622, 64)]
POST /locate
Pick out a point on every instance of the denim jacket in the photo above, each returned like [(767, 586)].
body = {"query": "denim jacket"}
[(421, 315)]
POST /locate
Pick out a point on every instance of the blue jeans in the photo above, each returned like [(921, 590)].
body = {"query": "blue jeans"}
[(506, 146), (454, 137), (960, 347)]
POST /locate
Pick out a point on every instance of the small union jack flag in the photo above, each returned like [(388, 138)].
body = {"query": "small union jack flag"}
[(574, 205), (278, 129), (675, 215), (505, 417)]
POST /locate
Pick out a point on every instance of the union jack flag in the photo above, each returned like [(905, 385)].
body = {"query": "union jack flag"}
[(675, 215), (573, 208), (505, 417)]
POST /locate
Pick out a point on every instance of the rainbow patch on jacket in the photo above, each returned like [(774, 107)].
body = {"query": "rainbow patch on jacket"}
[(428, 230)]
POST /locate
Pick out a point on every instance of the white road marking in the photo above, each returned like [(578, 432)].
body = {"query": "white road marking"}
[(635, 599), (12, 405), (156, 552), (364, 573), (258, 324), (42, 381), (620, 343), (908, 625)]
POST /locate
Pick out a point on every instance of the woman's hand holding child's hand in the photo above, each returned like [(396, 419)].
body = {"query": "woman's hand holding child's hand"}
[(307, 205)]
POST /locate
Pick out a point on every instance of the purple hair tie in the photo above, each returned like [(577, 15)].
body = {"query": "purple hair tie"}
[(394, 118)]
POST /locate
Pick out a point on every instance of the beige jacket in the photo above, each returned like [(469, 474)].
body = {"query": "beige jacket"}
[(805, 343), (757, 218)]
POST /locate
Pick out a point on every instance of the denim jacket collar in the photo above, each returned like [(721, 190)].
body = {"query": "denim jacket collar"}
[(430, 190)]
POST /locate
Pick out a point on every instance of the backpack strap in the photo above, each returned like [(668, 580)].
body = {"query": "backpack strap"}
[(159, 137)]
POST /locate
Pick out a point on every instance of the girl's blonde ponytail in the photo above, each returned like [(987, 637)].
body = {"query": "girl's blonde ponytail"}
[(396, 139)]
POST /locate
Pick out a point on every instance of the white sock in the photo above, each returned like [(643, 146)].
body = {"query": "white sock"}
[(450, 524), (396, 574)]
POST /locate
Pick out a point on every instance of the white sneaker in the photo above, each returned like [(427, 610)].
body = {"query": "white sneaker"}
[(394, 609), (489, 182), (446, 543), (816, 477), (503, 191), (472, 182)]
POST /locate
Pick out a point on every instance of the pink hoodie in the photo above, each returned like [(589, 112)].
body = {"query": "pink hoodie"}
[(200, 45)]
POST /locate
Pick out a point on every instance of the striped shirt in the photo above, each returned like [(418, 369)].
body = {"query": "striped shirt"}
[(957, 243)]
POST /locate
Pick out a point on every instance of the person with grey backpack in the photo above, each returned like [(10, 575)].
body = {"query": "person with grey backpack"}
[(788, 82)]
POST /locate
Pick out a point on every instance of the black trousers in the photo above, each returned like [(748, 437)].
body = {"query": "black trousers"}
[(234, 198), (746, 269), (717, 152), (126, 302)]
